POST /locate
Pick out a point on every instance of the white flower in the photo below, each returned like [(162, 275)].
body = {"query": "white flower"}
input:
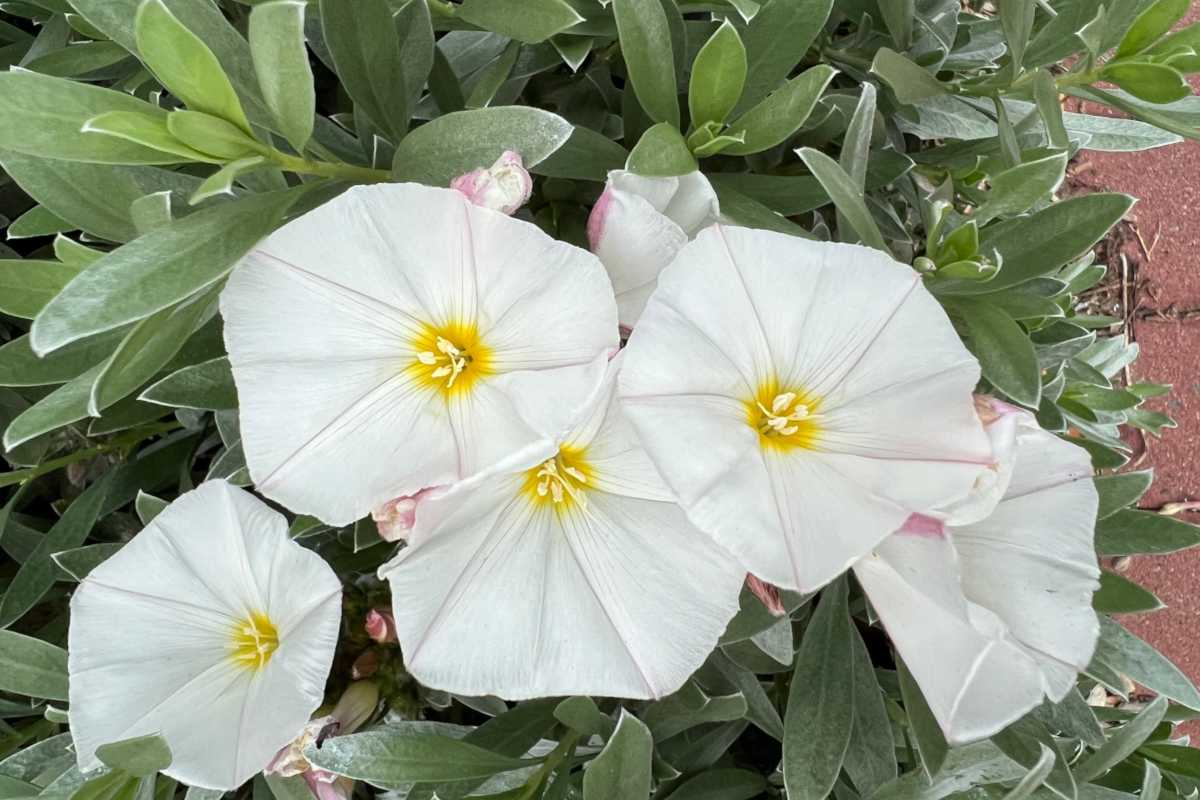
[(505, 186), (992, 616), (638, 225), (801, 398), (210, 628), (397, 338), (571, 572)]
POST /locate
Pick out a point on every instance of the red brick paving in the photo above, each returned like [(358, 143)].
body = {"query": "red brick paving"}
[(1167, 183)]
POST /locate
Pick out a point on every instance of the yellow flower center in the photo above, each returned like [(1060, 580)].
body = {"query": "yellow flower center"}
[(560, 482), (253, 641), (784, 419), (450, 358)]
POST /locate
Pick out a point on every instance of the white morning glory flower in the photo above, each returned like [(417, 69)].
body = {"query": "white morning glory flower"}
[(397, 338), (211, 628), (638, 225), (801, 398), (993, 616), (571, 572)]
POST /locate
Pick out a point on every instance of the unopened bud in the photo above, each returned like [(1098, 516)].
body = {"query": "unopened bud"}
[(381, 625), (504, 186)]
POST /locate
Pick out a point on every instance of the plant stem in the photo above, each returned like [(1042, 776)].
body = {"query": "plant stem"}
[(119, 443), (548, 766), (325, 169)]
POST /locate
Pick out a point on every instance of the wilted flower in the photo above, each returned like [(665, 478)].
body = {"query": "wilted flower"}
[(356, 705), (399, 337), (569, 570), (638, 225), (505, 186), (994, 615), (211, 628), (801, 398)]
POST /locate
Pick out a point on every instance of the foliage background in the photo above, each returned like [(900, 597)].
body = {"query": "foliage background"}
[(929, 128)]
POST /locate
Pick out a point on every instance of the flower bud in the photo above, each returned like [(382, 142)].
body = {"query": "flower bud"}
[(505, 186), (381, 625), (766, 592)]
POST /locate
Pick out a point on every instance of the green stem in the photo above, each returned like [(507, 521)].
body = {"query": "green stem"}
[(119, 443), (325, 169)]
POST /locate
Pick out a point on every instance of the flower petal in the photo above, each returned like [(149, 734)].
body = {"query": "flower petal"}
[(1033, 561), (323, 325), (152, 630), (975, 681)]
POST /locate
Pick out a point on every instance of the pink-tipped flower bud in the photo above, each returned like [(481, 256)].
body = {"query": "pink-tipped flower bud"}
[(768, 593), (381, 625), (504, 186)]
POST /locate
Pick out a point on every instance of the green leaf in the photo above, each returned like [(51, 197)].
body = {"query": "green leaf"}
[(721, 784), (1182, 39), (649, 58), (140, 756), (66, 404), (43, 116), (586, 155), (1035, 777), (871, 756), (415, 29), (1119, 595), (207, 386), (37, 574), (276, 35), (1154, 83), (95, 198), (1005, 353), (1025, 741), (1040, 243), (37, 221), (158, 269), (845, 195), (31, 667), (148, 507), (1017, 189), (366, 52), (1131, 532), (391, 755), (1045, 92), (440, 150), (820, 710), (1118, 491), (776, 40), (718, 75), (910, 82), (146, 130), (146, 349), (688, 708), (1151, 782), (856, 145), (26, 286), (1016, 18), (79, 561), (19, 366), (1151, 25), (529, 21), (581, 715), (1128, 738), (964, 769), (211, 135), (927, 734), (898, 17), (1125, 654), (661, 152), (116, 20), (748, 212), (183, 63), (622, 770), (221, 181), (781, 114)]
